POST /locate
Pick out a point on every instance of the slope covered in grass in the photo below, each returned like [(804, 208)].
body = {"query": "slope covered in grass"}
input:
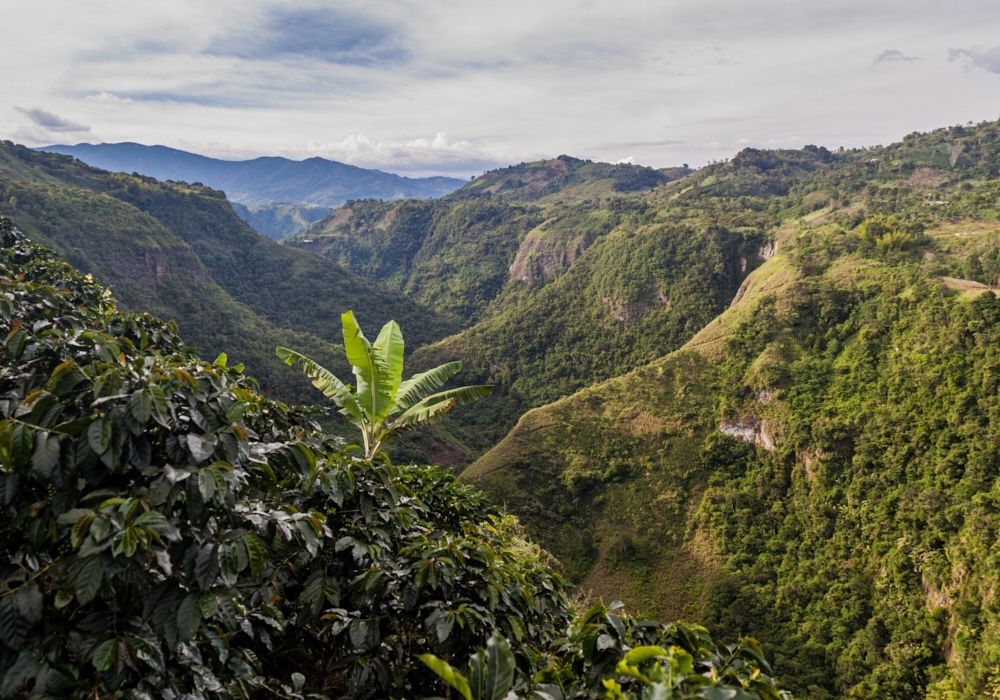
[(821, 463)]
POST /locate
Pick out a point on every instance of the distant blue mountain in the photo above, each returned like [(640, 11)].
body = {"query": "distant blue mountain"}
[(315, 181)]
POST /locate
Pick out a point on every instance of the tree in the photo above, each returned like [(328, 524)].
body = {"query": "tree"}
[(169, 532), (384, 405)]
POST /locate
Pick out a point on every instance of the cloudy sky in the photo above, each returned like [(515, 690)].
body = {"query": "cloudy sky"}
[(456, 87)]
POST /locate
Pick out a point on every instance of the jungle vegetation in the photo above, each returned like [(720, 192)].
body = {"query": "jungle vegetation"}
[(820, 462), (170, 532), (179, 251), (761, 396)]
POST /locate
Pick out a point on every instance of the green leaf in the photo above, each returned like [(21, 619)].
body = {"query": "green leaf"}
[(105, 655), (448, 674), (443, 626), (641, 655), (255, 553), (159, 402), (499, 668), (309, 537), (29, 602), (21, 445), (63, 598), (99, 435), (208, 603), (46, 454), (141, 405), (437, 405), (389, 348), (201, 446), (358, 632), (129, 542), (239, 556), (206, 566), (374, 376), (189, 617), (419, 385), (206, 484), (325, 381), (15, 343), (88, 579), (221, 361)]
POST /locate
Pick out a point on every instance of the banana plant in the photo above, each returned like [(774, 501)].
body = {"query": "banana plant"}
[(382, 404)]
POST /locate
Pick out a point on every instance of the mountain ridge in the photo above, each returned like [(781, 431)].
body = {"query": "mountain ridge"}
[(181, 251), (265, 180), (818, 465)]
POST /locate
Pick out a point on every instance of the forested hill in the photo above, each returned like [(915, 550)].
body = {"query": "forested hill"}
[(169, 532), (181, 252), (763, 394), (455, 254), (269, 180), (821, 462)]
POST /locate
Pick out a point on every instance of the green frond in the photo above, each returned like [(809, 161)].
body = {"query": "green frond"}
[(437, 405), (373, 374), (325, 381), (419, 385), (389, 349)]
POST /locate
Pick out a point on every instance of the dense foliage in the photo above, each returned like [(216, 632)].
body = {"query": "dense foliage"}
[(181, 252), (819, 464), (168, 532)]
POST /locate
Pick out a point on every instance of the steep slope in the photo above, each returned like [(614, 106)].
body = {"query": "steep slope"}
[(452, 256), (150, 269), (455, 254), (288, 286), (276, 221), (314, 181), (166, 249), (672, 261), (820, 463)]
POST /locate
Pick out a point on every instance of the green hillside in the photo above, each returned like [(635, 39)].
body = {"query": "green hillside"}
[(598, 291), (181, 252), (169, 532), (567, 180), (451, 256), (820, 463), (276, 221), (456, 254)]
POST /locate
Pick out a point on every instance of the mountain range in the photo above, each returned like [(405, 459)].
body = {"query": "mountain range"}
[(268, 180), (763, 395)]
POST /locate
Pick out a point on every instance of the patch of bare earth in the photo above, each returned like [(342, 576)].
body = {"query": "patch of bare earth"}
[(927, 178)]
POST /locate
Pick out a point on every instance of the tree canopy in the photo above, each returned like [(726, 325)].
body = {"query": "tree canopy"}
[(169, 532)]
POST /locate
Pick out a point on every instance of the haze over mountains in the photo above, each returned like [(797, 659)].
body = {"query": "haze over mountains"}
[(266, 180)]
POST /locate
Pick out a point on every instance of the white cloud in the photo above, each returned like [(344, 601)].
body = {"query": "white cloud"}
[(372, 80), (894, 55), (109, 98), (418, 156)]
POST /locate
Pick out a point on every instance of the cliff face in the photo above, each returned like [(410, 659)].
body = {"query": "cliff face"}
[(543, 254)]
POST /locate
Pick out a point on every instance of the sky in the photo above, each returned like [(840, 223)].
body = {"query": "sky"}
[(422, 87)]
